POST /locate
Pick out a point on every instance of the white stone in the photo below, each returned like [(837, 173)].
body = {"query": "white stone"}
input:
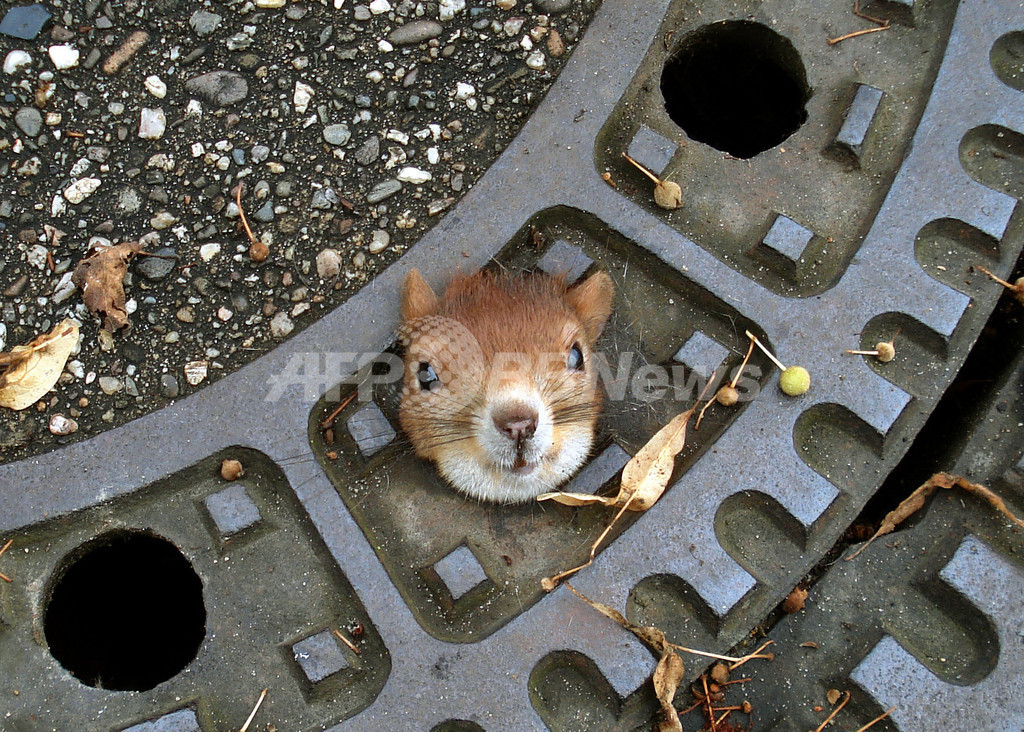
[(450, 8), (302, 97), (464, 90), (328, 264), (281, 325), (152, 123), (163, 220), (380, 6), (433, 155), (15, 60), (81, 189), (413, 175), (398, 136), (209, 251), (36, 256), (63, 56), (197, 149), (384, 47), (161, 161), (195, 372), (536, 60), (379, 242), (58, 207), (156, 87), (270, 3), (61, 425)]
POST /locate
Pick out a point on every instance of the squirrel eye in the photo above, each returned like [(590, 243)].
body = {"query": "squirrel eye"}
[(575, 360), (427, 377)]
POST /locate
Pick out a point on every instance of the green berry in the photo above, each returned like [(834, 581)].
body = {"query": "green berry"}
[(795, 381)]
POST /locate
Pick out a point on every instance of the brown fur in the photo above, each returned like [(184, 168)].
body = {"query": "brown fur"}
[(535, 316)]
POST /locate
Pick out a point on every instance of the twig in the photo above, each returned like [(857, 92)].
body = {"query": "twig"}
[(756, 654), (5, 578), (834, 713), (549, 583), (877, 719), (863, 32), (334, 415), (710, 710), (1000, 280), (642, 169), (769, 354), (347, 642), (253, 712), (241, 214), (6, 546), (865, 16)]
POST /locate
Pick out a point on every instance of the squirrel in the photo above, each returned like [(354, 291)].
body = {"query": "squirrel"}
[(499, 387)]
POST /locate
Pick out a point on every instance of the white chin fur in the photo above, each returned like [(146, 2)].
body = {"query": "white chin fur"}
[(490, 483)]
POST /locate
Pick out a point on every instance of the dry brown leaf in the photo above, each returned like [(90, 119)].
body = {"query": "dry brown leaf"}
[(100, 277), (31, 370), (667, 676), (719, 673), (833, 695), (915, 501), (578, 499), (646, 475)]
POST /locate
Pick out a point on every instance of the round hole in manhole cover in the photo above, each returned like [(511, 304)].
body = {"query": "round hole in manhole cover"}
[(125, 612), (737, 86)]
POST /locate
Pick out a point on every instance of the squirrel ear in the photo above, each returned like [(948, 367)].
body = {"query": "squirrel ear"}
[(418, 300), (592, 300)]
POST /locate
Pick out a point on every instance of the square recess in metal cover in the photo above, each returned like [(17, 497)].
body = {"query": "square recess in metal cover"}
[(414, 519)]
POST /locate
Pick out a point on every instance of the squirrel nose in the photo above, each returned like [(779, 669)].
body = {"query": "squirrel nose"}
[(517, 421)]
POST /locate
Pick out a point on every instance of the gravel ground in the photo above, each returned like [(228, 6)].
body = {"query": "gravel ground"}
[(350, 127)]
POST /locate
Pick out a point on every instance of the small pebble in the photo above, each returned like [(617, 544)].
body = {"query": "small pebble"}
[(220, 88), (29, 121), (169, 386), (15, 60), (156, 87), (328, 264), (415, 32), (204, 22), (152, 124), (369, 151), (63, 56), (383, 190), (81, 189), (450, 8), (379, 241), (281, 325), (302, 96), (195, 372), (209, 251), (61, 425), (337, 134), (110, 384), (413, 175)]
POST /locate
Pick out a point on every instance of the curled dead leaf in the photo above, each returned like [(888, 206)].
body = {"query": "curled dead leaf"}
[(100, 277), (31, 370), (667, 675), (833, 695), (646, 475), (577, 499)]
